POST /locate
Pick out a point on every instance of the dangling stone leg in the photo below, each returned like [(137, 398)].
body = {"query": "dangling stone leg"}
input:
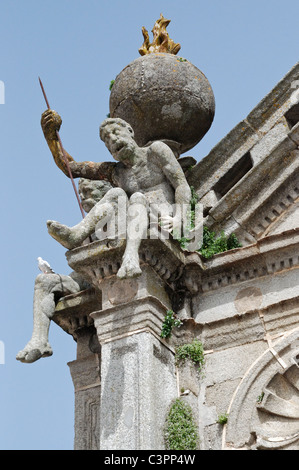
[(137, 222), (43, 311), (38, 346)]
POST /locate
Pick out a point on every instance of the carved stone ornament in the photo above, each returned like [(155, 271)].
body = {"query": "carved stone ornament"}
[(161, 40), (264, 412)]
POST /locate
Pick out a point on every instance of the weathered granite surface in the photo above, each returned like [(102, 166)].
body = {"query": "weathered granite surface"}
[(242, 305), (164, 97)]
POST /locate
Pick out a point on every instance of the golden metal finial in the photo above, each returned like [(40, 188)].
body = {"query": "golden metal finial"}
[(161, 41)]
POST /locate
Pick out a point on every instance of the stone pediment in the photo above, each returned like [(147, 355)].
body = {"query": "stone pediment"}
[(249, 182)]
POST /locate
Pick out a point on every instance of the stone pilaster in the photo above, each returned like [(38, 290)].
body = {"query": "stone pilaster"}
[(124, 375), (72, 314), (138, 376), (85, 373)]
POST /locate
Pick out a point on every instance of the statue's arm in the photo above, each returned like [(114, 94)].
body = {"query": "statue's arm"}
[(50, 122), (173, 171)]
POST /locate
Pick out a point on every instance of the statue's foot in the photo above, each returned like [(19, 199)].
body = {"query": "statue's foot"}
[(33, 351), (61, 233), (129, 268)]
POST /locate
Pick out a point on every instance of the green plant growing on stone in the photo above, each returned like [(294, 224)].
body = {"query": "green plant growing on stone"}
[(222, 419), (111, 84), (213, 245), (180, 432), (170, 321), (193, 352)]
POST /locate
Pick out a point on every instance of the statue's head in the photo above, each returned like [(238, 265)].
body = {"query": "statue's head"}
[(92, 191), (118, 137)]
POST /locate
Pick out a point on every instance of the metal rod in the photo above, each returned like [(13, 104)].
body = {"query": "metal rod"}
[(64, 154)]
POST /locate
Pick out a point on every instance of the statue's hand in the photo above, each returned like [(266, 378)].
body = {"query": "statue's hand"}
[(50, 122)]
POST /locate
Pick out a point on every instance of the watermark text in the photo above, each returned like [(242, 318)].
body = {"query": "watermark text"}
[(154, 221)]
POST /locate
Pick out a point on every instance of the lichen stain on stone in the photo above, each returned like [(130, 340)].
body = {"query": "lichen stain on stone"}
[(173, 110)]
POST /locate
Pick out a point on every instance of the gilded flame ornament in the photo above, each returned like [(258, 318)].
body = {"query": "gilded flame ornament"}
[(161, 40)]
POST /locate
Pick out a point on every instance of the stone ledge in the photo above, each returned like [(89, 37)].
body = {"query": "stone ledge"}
[(246, 263), (132, 317), (100, 260), (85, 372), (275, 104), (72, 312), (231, 267)]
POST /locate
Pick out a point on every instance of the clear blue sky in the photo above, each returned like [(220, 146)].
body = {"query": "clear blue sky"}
[(78, 47)]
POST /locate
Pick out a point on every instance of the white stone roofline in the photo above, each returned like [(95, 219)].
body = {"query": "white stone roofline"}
[(258, 142), (269, 255), (281, 242)]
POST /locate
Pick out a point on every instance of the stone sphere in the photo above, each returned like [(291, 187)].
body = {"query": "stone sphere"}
[(164, 97)]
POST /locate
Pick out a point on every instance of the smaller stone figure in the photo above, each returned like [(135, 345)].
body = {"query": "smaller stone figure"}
[(50, 287), (142, 176)]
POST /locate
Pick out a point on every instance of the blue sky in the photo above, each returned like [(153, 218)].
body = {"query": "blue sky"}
[(77, 47)]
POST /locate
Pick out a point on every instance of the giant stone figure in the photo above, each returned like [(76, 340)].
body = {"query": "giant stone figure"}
[(160, 106)]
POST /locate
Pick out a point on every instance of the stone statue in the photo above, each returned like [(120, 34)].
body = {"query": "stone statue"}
[(142, 176), (50, 287)]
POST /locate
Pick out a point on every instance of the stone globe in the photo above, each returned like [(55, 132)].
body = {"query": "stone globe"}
[(164, 97)]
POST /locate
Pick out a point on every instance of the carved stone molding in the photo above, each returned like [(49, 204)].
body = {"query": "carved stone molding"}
[(100, 260), (72, 312), (269, 255)]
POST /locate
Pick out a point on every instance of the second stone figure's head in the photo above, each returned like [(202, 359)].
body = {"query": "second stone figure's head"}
[(92, 191)]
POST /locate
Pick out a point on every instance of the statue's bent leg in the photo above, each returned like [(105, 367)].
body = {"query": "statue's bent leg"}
[(72, 237), (46, 286), (137, 220)]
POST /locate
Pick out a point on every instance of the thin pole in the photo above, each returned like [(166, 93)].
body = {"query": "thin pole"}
[(64, 154)]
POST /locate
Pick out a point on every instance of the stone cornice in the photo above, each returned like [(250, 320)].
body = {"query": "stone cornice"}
[(267, 256), (72, 311), (99, 260)]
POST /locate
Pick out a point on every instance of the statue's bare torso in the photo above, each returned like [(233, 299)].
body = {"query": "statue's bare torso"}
[(145, 176)]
